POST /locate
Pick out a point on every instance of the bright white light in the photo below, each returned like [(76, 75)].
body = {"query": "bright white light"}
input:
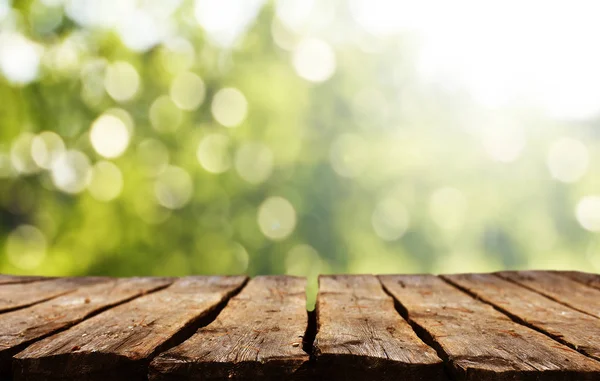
[(97, 13), (19, 58), (140, 31), (294, 13), (503, 140), (588, 213), (109, 136), (567, 160), (121, 81), (213, 153), (226, 20), (4, 8), (107, 181), (71, 172), (504, 52), (314, 60), (276, 218), (229, 107)]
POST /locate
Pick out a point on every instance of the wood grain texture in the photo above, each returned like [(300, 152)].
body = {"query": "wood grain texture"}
[(592, 280), (479, 342), (118, 344), (258, 336), (11, 279), (22, 327), (571, 327), (360, 335), (14, 296), (560, 288)]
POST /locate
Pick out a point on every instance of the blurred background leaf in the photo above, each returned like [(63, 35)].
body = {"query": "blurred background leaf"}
[(173, 137)]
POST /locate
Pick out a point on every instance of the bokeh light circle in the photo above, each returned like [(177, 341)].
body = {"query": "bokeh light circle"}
[(107, 181), (314, 60), (254, 162), (187, 91), (109, 136), (164, 114), (46, 147), (121, 81), (213, 153), (276, 218), (588, 213), (229, 107), (173, 188), (26, 247), (71, 172)]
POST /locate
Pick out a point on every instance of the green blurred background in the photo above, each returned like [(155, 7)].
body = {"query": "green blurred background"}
[(171, 137)]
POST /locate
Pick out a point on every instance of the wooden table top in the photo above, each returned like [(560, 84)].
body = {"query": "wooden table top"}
[(528, 325)]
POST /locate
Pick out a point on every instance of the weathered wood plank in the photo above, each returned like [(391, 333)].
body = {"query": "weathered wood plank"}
[(571, 327), (481, 343), (11, 279), (258, 336), (118, 344), (360, 335), (22, 327), (562, 289), (592, 280), (14, 296)]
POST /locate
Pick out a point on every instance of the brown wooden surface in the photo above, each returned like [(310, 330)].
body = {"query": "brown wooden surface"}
[(117, 344), (560, 288), (592, 280), (258, 336), (480, 343), (516, 326), (576, 329), (10, 279), (17, 295), (21, 327), (362, 336)]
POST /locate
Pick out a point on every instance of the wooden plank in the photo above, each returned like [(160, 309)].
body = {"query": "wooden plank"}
[(479, 342), (562, 289), (360, 335), (576, 329), (592, 280), (22, 327), (258, 336), (11, 279), (14, 296), (118, 344)]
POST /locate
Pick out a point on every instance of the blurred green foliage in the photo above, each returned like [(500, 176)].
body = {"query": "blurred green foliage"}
[(351, 165)]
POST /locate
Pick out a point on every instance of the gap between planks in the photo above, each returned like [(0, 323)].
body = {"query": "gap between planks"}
[(311, 330), (558, 337), (462, 368), (176, 338)]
